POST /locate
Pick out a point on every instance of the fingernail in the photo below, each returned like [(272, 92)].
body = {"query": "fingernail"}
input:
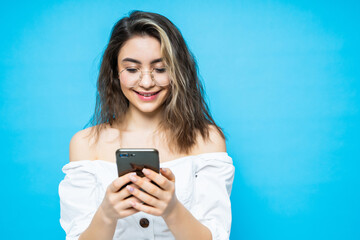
[(133, 178), (131, 174), (164, 169), (130, 188), (145, 171)]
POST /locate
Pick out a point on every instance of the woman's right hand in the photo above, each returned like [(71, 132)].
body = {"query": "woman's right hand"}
[(117, 204)]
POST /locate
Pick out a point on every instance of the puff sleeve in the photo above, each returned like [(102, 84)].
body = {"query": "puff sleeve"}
[(213, 183), (79, 198)]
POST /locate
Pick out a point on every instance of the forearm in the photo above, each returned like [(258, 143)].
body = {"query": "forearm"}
[(100, 228), (184, 226)]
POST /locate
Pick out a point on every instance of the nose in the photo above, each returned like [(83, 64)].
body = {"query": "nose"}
[(146, 80)]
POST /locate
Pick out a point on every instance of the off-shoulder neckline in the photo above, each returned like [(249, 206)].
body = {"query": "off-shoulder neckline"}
[(168, 163)]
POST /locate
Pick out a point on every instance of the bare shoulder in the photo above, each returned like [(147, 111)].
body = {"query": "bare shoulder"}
[(215, 142), (80, 145)]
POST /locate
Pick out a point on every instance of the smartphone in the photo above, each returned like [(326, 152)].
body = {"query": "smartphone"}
[(135, 159)]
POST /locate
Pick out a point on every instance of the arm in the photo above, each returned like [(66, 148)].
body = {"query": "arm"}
[(184, 225), (100, 227), (79, 198)]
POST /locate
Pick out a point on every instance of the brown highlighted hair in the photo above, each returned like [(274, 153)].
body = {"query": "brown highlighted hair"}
[(185, 113)]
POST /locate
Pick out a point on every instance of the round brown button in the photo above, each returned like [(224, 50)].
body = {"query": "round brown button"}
[(144, 222)]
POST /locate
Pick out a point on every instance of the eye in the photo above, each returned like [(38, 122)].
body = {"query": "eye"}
[(160, 70), (132, 70)]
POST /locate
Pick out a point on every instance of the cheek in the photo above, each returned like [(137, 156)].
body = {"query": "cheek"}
[(166, 97), (123, 87), (168, 92), (126, 91)]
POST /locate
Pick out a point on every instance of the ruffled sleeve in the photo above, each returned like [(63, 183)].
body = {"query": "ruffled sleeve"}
[(213, 183), (79, 197)]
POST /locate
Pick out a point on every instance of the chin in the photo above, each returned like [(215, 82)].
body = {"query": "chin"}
[(149, 109)]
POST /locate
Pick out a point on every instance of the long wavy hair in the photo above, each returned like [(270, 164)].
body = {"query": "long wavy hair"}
[(185, 112)]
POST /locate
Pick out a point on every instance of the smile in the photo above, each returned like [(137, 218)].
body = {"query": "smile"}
[(147, 96)]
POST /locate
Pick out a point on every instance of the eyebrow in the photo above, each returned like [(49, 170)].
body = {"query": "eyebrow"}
[(138, 62)]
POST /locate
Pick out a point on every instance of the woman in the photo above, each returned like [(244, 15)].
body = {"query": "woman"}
[(149, 96)]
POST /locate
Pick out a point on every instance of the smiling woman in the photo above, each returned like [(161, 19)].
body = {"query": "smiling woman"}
[(139, 88), (149, 96)]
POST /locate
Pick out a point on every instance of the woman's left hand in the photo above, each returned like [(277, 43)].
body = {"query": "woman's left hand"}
[(158, 201)]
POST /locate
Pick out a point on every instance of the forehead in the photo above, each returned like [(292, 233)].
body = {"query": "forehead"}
[(142, 48)]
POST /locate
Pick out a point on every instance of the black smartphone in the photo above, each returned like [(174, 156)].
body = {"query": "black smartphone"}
[(135, 159)]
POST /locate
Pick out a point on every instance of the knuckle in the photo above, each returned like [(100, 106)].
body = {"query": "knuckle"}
[(111, 201), (133, 199), (139, 181), (115, 184), (153, 201), (110, 186), (127, 201), (148, 199), (162, 182), (153, 191)]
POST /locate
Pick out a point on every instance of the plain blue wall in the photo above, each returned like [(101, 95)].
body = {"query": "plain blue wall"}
[(282, 79)]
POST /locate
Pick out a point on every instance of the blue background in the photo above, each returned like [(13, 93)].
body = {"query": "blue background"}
[(282, 79)]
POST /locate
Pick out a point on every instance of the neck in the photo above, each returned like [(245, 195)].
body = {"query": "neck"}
[(136, 120)]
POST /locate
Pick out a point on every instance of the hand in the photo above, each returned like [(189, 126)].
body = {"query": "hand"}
[(116, 204), (158, 201)]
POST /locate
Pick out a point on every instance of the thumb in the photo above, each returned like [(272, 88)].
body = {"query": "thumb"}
[(166, 172)]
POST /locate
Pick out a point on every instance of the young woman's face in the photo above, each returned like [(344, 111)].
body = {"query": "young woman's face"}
[(143, 77)]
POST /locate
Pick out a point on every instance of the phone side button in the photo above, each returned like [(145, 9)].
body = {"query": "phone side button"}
[(144, 222)]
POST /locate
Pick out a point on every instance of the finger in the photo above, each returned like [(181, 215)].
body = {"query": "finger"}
[(124, 208), (119, 182), (129, 212), (146, 209), (160, 180), (134, 185), (127, 203), (124, 193), (147, 186), (168, 174), (144, 197), (146, 179)]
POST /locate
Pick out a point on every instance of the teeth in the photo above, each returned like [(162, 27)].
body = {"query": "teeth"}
[(147, 94)]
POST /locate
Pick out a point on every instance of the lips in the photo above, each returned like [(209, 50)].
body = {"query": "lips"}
[(147, 94)]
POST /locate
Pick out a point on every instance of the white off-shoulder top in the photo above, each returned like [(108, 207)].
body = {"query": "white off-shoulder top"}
[(202, 184)]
